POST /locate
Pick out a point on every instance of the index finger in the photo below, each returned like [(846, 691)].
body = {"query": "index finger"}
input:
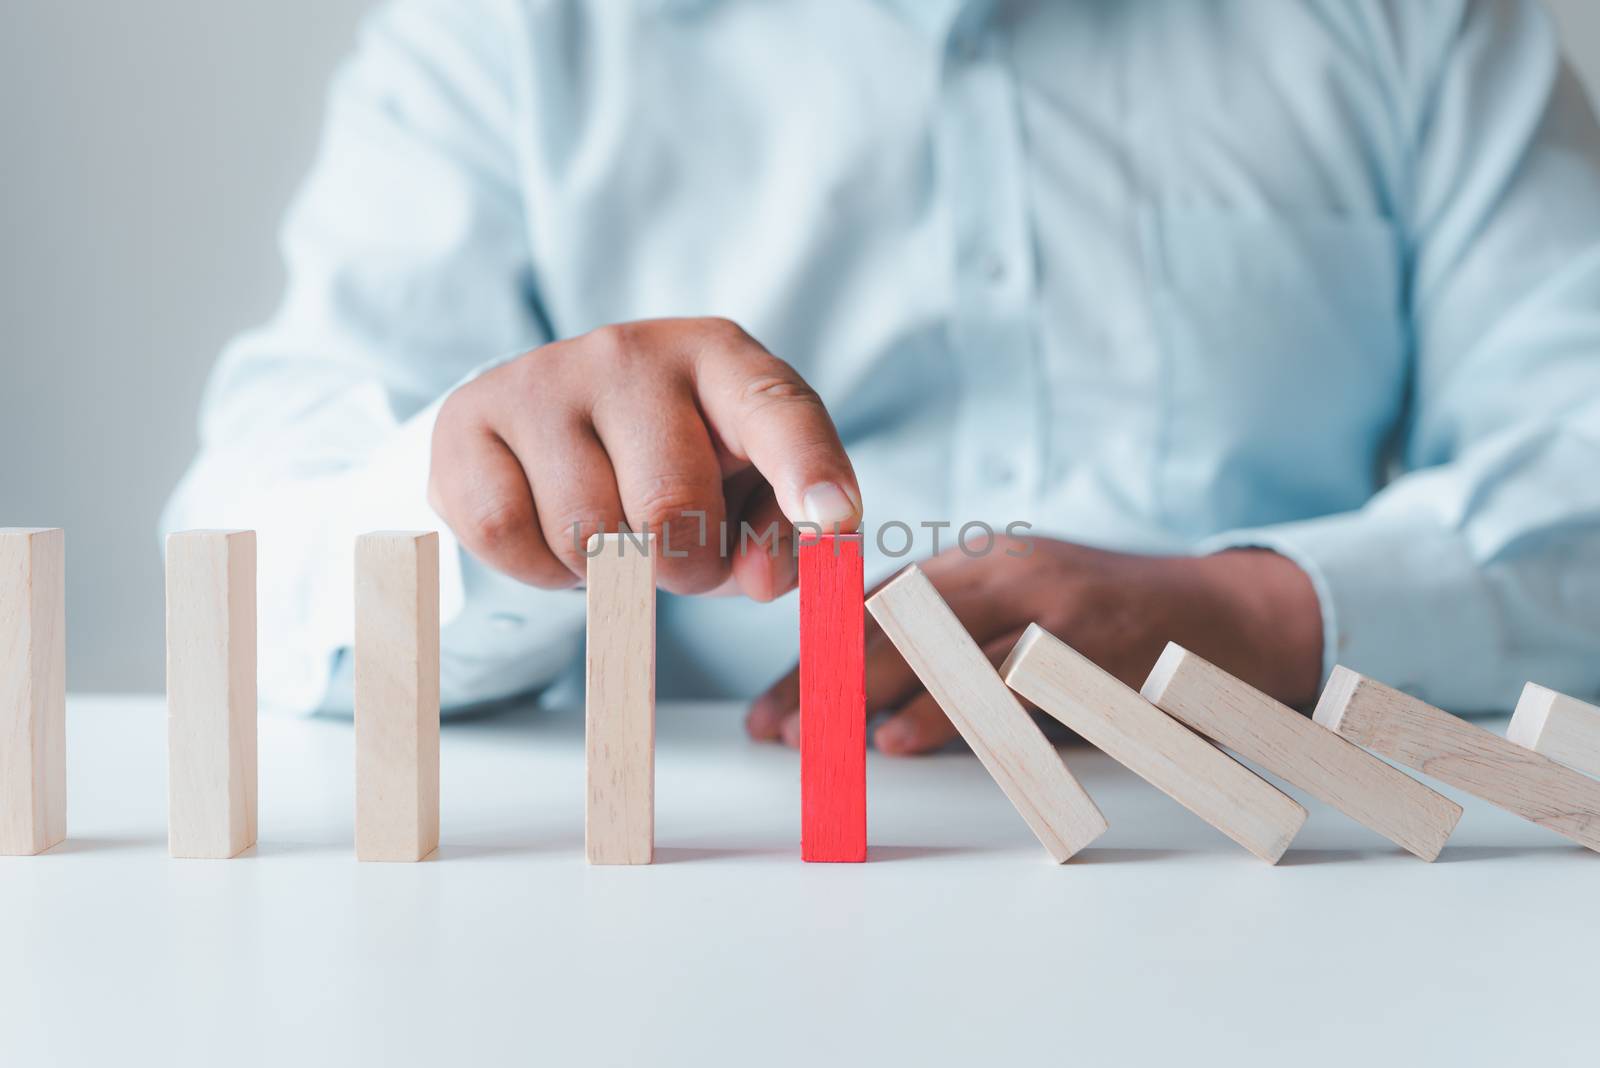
[(765, 414)]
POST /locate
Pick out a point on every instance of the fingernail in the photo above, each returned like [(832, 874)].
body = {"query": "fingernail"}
[(791, 730), (896, 736), (825, 504)]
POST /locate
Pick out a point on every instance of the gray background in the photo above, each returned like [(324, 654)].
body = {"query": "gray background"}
[(147, 151)]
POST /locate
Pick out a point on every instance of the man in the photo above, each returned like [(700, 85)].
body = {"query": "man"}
[(1269, 328)]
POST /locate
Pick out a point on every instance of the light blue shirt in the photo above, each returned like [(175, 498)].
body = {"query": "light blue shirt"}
[(1158, 275)]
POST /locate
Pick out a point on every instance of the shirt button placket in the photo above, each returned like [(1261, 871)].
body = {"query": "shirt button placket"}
[(997, 432)]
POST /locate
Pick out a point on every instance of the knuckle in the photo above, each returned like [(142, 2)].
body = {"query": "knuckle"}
[(497, 523), (568, 532), (458, 413), (536, 367), (668, 500), (724, 331), (779, 386), (613, 345)]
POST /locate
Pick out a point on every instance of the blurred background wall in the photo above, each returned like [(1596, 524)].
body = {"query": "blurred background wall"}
[(147, 150)]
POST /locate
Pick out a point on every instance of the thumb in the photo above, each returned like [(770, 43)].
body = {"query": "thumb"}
[(767, 415)]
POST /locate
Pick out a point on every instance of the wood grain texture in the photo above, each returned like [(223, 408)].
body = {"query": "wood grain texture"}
[(1202, 778), (1563, 728), (397, 695), (33, 690), (1236, 715), (960, 678), (620, 700), (211, 693), (1456, 752), (833, 700)]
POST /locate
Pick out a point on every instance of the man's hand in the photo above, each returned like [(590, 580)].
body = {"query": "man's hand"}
[(674, 425), (1251, 612)]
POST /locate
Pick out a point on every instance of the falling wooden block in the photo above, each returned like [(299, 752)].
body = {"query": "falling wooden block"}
[(1331, 769), (833, 700), (211, 693), (1151, 744), (33, 690), (961, 679), (620, 700), (1454, 751), (1562, 728), (397, 695)]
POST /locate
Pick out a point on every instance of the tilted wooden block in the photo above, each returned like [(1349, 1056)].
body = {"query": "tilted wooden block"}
[(620, 700), (1563, 728), (397, 695), (961, 679), (833, 700), (33, 690), (1454, 751), (211, 693), (1331, 769), (1151, 744)]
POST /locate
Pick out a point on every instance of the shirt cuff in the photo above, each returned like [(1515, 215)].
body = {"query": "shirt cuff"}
[(1402, 598), (391, 493), (499, 638)]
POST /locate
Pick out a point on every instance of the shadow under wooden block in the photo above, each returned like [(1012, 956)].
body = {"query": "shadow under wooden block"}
[(1153, 745), (1450, 749), (1305, 754), (397, 695), (1562, 728), (33, 690), (963, 682), (211, 693), (620, 700)]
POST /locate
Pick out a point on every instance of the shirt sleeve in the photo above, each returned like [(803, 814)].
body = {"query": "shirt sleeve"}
[(1478, 567), (408, 272)]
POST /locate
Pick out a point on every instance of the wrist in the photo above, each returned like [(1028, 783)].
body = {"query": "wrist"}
[(1265, 622)]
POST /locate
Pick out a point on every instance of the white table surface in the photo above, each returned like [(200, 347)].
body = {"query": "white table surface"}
[(958, 942)]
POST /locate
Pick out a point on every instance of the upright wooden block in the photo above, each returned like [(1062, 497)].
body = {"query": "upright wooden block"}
[(397, 695), (33, 690), (1331, 769), (620, 700), (211, 693), (961, 679), (1157, 748), (1562, 728), (833, 700), (1454, 751)]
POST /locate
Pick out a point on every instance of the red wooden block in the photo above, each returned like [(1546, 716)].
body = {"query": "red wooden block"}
[(833, 700)]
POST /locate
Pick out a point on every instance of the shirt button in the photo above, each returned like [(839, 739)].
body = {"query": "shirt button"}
[(994, 269), (966, 49)]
